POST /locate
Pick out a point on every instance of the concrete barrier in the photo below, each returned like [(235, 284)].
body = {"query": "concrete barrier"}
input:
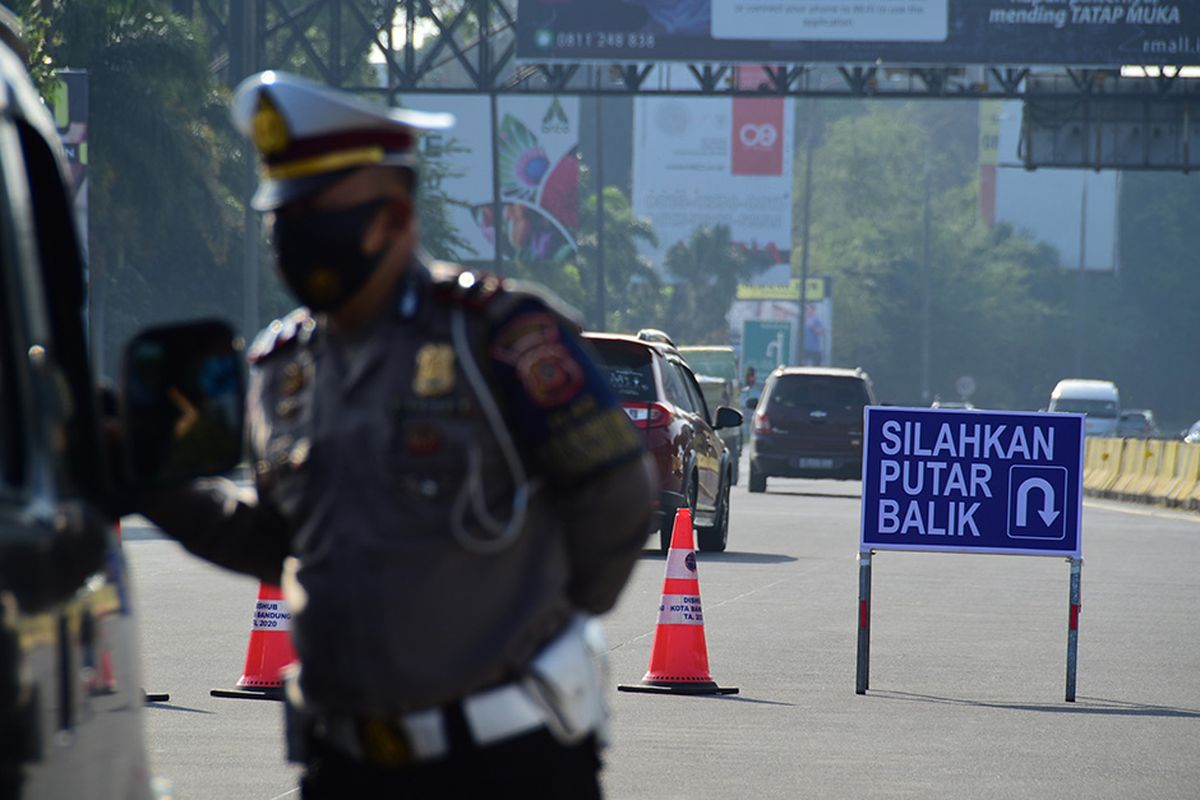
[(1168, 473), (1152, 461), (1189, 476), (1143, 470), (1110, 468)]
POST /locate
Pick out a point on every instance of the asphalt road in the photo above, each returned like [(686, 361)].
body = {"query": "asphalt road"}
[(968, 660)]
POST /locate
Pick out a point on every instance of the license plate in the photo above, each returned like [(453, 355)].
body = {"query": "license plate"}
[(814, 463)]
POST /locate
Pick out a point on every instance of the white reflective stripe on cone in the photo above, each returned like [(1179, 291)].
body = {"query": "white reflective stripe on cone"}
[(680, 609)]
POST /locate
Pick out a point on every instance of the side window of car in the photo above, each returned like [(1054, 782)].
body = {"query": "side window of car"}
[(677, 393), (12, 424), (693, 390)]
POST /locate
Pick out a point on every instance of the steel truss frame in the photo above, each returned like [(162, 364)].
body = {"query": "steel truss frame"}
[(475, 52)]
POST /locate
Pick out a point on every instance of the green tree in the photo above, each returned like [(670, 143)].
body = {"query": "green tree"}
[(1142, 323), (708, 268), (162, 222), (633, 291), (995, 300)]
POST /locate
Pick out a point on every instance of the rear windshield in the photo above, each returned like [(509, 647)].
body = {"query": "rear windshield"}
[(628, 368), (1078, 405), (819, 393)]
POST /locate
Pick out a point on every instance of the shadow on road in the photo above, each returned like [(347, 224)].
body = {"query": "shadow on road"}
[(141, 534), (800, 493), (728, 557), (175, 707), (1084, 705)]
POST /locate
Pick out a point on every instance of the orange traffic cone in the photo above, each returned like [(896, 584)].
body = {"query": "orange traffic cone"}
[(679, 657), (270, 649)]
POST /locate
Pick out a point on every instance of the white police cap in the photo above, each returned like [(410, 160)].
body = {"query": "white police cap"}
[(309, 135)]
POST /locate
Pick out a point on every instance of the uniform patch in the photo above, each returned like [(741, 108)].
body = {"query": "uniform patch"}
[(550, 375), (523, 334), (531, 344), (434, 370)]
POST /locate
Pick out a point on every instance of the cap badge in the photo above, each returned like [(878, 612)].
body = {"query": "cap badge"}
[(270, 129)]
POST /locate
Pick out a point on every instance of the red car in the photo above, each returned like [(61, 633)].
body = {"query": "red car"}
[(660, 394)]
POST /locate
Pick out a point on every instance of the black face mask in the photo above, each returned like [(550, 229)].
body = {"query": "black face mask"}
[(321, 256)]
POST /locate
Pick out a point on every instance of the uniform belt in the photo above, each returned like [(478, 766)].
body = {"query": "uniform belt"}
[(492, 716)]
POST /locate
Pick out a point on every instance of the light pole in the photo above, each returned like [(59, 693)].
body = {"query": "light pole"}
[(806, 225)]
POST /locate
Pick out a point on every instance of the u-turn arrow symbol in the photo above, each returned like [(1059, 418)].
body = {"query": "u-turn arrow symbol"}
[(1047, 512)]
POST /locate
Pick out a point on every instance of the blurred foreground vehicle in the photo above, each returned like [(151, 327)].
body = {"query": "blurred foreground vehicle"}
[(659, 393), (1099, 400), (70, 690), (1137, 423), (809, 424)]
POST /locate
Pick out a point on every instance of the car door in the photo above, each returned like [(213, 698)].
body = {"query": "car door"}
[(705, 445), (70, 697)]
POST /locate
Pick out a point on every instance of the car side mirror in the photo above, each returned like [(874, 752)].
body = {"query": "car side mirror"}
[(182, 403), (727, 418)]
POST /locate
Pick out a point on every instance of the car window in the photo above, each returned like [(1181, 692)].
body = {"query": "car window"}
[(676, 390), (12, 423), (693, 390), (1092, 408), (819, 393), (628, 368)]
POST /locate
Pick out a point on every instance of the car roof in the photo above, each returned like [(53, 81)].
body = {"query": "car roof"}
[(832, 372), (1085, 388), (660, 347)]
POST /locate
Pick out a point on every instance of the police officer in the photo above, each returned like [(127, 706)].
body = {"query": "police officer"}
[(444, 482)]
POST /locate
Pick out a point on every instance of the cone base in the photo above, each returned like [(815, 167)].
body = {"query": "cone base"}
[(155, 697), (265, 693), (681, 687)]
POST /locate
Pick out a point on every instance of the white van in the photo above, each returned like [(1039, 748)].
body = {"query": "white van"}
[(1099, 400)]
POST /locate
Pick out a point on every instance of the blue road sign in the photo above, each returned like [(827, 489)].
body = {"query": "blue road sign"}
[(972, 481)]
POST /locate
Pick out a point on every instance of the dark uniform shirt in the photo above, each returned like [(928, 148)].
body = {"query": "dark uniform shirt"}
[(392, 497)]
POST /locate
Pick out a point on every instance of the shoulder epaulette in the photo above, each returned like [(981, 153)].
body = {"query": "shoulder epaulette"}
[(466, 287), (497, 297), (297, 325)]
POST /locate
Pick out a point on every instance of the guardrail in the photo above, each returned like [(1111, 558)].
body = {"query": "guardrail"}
[(1143, 470)]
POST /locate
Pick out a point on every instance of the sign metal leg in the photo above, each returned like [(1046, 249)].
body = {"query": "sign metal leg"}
[(1073, 628), (864, 623)]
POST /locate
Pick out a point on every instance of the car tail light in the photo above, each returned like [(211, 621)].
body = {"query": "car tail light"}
[(648, 415), (762, 424)]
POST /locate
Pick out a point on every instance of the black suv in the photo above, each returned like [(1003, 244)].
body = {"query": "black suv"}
[(809, 424), (662, 399)]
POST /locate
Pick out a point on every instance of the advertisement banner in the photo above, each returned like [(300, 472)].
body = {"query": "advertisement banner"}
[(538, 155), (918, 32), (709, 161)]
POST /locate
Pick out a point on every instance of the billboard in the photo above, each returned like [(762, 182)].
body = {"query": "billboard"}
[(538, 155), (920, 32), (780, 301), (709, 161)]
